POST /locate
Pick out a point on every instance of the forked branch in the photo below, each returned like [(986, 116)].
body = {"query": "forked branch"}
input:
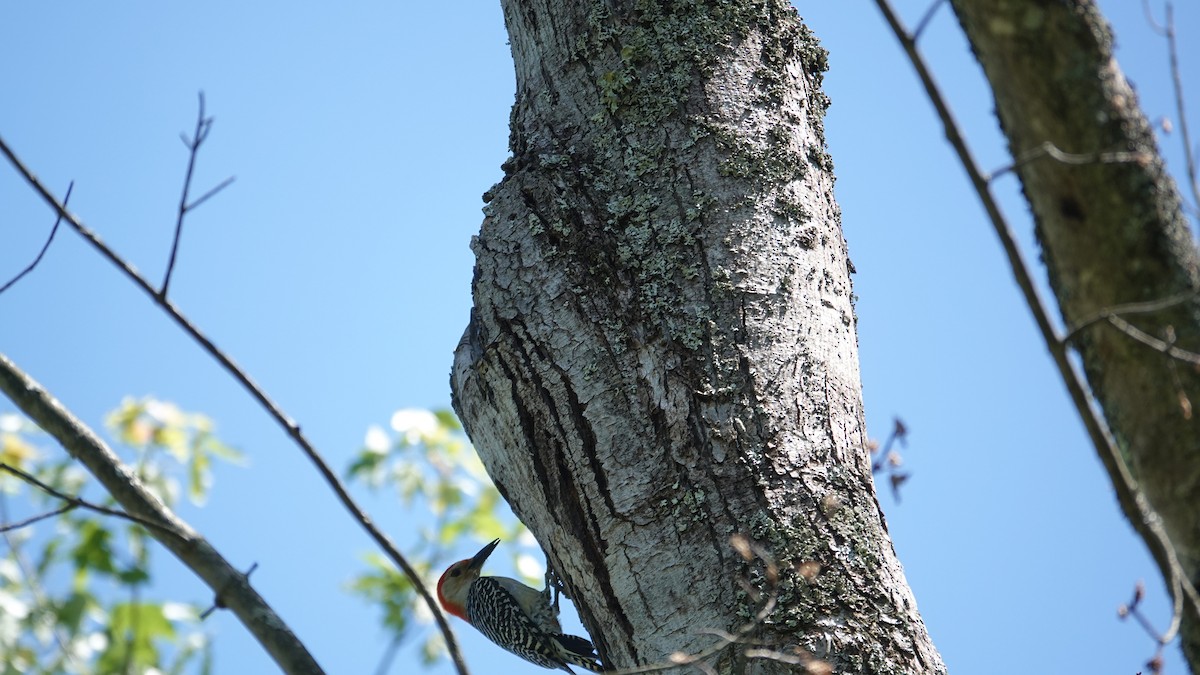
[(290, 427), (203, 126), (45, 247), (174, 534), (1134, 504)]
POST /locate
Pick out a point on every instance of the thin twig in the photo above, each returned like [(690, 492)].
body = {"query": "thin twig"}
[(189, 547), (749, 552), (1148, 307), (1161, 640), (1147, 626), (886, 458), (1048, 149), (389, 655), (11, 527), (204, 197), (811, 665), (290, 427), (928, 17), (219, 601), (203, 126), (899, 433), (131, 632), (1135, 505), (1167, 30), (45, 247), (31, 576), (1154, 343), (73, 502), (696, 660), (1189, 151)]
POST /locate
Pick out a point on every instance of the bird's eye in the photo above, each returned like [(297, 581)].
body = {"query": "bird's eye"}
[(455, 572)]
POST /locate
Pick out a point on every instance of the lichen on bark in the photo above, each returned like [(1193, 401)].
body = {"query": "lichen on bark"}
[(662, 352)]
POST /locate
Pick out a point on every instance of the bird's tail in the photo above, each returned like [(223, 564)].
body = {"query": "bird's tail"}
[(579, 651)]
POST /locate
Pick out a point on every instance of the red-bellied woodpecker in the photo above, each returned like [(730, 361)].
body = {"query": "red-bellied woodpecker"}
[(513, 615)]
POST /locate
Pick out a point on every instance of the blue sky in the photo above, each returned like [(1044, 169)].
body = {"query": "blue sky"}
[(336, 270)]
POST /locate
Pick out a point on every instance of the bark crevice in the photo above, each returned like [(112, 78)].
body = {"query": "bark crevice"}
[(666, 293)]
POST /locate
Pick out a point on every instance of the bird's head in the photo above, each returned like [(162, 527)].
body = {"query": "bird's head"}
[(456, 581)]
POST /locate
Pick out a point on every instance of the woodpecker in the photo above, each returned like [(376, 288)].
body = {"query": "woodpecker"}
[(513, 615)]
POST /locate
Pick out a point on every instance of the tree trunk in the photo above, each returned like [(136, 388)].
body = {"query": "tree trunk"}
[(1112, 233), (662, 352)]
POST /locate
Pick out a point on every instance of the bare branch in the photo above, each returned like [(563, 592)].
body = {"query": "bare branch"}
[(1134, 504), (290, 427), (1161, 640), (77, 502), (811, 665), (1114, 316), (389, 655), (926, 19), (1148, 307), (203, 198), (1154, 343), (45, 247), (886, 458), (10, 527), (188, 546), (31, 576), (1048, 149), (219, 603), (203, 126), (193, 145), (1167, 30)]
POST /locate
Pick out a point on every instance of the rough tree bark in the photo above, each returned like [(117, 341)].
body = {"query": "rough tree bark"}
[(662, 352), (1112, 233)]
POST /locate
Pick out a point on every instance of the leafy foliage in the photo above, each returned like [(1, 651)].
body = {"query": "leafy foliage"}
[(73, 587), (431, 465), (74, 584), (153, 428)]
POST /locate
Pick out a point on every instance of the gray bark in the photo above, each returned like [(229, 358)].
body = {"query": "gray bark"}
[(662, 352), (230, 587), (1112, 233)]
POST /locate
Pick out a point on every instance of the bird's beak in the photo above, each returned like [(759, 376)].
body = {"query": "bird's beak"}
[(482, 556)]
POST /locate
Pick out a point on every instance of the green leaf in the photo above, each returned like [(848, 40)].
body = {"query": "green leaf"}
[(174, 440), (430, 462), (365, 463), (206, 663), (71, 612), (94, 550), (447, 419), (49, 556), (133, 630), (487, 525), (433, 649), (391, 589), (410, 481), (196, 645), (123, 422), (133, 576), (222, 451), (198, 475), (15, 451)]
